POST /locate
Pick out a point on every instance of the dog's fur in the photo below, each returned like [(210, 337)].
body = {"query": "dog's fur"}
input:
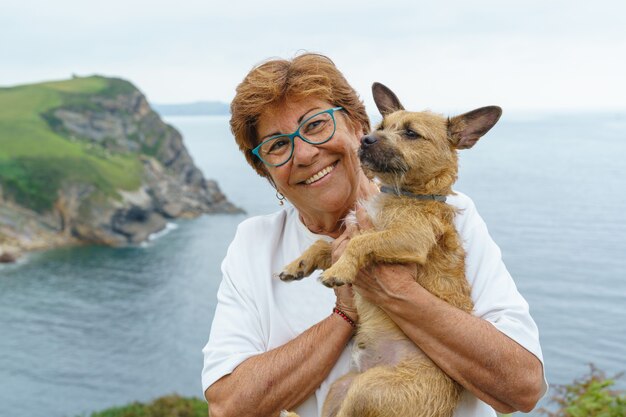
[(415, 152)]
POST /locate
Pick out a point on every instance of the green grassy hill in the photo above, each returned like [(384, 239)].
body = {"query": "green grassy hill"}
[(35, 161)]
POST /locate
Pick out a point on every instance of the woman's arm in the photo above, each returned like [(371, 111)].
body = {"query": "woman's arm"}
[(283, 378), (470, 350)]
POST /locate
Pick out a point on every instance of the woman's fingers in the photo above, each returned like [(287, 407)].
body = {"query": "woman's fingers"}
[(382, 283)]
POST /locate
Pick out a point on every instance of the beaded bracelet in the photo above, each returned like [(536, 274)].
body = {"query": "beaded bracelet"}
[(345, 317)]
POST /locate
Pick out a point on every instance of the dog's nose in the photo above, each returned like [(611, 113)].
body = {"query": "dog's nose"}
[(368, 140)]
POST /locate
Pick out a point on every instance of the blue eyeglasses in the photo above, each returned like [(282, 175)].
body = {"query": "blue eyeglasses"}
[(317, 129)]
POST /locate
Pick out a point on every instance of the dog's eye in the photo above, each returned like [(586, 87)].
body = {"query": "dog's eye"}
[(411, 134)]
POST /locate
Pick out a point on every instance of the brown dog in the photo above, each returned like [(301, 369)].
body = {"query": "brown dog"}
[(414, 156)]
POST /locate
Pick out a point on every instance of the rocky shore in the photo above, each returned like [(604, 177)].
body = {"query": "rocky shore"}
[(22, 230), (121, 123)]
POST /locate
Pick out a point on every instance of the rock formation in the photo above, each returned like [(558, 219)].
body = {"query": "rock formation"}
[(123, 123)]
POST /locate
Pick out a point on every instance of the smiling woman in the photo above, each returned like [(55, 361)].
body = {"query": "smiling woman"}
[(277, 346), (321, 180)]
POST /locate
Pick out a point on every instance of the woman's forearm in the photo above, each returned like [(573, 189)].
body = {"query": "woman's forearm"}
[(472, 351), (283, 377)]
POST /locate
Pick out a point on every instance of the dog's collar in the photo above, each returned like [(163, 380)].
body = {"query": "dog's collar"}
[(434, 197)]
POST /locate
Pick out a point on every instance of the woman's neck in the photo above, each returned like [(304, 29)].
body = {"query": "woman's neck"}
[(331, 223), (326, 224)]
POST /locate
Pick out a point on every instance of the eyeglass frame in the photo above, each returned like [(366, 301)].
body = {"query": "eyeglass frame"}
[(296, 133)]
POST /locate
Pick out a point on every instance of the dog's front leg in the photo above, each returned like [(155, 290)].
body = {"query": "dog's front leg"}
[(317, 256), (355, 257), (389, 246)]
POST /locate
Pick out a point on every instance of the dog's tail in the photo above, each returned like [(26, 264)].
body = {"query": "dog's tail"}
[(286, 413)]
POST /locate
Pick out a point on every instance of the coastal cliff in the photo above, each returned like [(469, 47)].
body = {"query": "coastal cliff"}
[(87, 160)]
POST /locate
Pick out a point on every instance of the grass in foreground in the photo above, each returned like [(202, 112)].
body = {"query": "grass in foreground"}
[(589, 396), (169, 406)]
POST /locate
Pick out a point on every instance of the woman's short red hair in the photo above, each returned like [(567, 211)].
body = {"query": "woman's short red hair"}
[(272, 82)]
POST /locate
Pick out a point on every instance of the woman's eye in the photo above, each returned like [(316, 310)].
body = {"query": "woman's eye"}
[(314, 126), (278, 145)]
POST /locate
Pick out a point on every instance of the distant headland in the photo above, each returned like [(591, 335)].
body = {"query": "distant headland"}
[(88, 160), (199, 108)]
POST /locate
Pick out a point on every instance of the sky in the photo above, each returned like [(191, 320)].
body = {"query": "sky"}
[(446, 56)]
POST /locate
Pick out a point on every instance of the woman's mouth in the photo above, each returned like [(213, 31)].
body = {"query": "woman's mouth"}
[(318, 176)]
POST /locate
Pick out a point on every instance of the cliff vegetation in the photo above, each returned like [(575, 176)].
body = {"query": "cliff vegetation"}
[(88, 160)]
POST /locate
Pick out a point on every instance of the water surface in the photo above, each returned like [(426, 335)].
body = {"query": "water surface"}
[(82, 329)]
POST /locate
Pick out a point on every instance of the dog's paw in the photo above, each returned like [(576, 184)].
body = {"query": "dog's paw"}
[(331, 282), (334, 277), (296, 270), (287, 277)]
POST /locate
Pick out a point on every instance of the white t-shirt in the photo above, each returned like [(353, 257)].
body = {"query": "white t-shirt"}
[(257, 312)]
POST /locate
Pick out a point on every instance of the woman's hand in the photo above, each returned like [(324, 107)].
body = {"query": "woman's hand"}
[(382, 284)]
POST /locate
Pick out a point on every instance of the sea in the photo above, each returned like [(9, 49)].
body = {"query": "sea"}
[(87, 328)]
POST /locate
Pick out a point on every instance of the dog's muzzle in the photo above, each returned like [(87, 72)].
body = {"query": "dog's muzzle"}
[(378, 156), (367, 150)]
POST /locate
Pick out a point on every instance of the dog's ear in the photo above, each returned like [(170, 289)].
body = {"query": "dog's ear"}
[(465, 130), (385, 99)]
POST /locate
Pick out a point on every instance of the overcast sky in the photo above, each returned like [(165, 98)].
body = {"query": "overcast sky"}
[(442, 55)]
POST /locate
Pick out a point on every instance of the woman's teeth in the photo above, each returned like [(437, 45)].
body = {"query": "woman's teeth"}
[(319, 175)]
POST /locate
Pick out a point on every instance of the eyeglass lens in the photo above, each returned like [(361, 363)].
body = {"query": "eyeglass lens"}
[(316, 130)]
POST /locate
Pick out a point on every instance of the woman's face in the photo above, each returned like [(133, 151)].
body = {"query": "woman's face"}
[(319, 180)]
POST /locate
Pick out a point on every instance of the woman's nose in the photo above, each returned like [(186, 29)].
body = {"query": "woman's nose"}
[(303, 152)]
